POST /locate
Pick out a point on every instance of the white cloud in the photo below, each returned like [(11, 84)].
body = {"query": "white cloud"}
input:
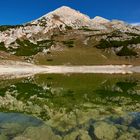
[(135, 24)]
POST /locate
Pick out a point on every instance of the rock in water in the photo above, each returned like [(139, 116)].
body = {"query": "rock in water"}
[(105, 131)]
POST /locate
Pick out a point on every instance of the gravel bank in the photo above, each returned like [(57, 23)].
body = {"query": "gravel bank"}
[(23, 69)]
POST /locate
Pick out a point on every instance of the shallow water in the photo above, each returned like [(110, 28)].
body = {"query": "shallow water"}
[(70, 107)]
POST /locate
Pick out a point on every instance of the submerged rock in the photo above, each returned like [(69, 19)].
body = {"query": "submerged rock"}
[(78, 135), (3, 137), (21, 138), (39, 133), (11, 128), (127, 136), (105, 131)]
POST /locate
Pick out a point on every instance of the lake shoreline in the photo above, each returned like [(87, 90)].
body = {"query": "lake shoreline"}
[(27, 69)]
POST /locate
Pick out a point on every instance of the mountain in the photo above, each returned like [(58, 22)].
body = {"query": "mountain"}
[(64, 16), (100, 20), (73, 35)]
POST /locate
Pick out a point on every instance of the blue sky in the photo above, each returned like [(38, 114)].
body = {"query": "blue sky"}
[(21, 11)]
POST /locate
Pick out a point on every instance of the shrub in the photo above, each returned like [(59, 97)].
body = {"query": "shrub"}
[(6, 27), (68, 27), (114, 44), (125, 51), (27, 48), (49, 59), (2, 47), (86, 29), (69, 43)]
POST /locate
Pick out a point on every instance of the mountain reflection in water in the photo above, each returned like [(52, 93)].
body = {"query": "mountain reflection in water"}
[(72, 107)]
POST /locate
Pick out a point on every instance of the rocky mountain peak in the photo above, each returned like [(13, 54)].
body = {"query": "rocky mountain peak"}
[(64, 16), (67, 12), (100, 20)]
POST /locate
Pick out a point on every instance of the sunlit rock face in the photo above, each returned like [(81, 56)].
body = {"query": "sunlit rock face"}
[(61, 18), (100, 20), (64, 16)]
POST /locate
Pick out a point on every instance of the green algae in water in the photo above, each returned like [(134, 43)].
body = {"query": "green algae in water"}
[(77, 105)]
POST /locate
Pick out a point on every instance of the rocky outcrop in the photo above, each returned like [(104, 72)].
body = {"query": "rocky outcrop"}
[(100, 20)]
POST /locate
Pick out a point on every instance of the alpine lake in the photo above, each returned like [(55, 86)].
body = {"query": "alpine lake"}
[(70, 107)]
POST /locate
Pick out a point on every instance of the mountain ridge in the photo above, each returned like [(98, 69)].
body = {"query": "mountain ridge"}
[(66, 27)]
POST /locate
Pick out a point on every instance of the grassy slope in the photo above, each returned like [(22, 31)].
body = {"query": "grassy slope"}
[(82, 56), (74, 51), (81, 53), (7, 56)]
